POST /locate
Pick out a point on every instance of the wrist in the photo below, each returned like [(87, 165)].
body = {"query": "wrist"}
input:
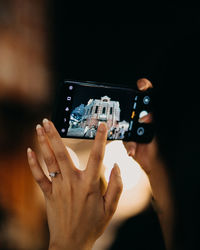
[(68, 246), (161, 188), (163, 201)]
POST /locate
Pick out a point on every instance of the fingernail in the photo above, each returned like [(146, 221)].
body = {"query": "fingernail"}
[(102, 127), (46, 125), (117, 169), (29, 152), (39, 130)]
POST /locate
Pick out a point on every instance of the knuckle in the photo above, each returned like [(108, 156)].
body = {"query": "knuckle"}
[(91, 189), (51, 133), (41, 139), (50, 160), (61, 156), (92, 193), (96, 156)]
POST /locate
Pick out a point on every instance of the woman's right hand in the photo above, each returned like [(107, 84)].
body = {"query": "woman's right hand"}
[(147, 155)]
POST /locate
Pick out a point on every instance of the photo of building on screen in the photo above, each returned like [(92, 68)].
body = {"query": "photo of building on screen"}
[(85, 119)]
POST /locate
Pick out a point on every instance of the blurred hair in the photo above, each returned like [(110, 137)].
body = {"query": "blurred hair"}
[(25, 87)]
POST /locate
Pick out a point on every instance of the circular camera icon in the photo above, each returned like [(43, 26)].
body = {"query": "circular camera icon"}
[(146, 100), (140, 131)]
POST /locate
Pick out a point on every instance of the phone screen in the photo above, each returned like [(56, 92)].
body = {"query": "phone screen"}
[(83, 106)]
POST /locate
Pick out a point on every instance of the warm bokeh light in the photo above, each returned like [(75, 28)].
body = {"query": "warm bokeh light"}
[(130, 170), (136, 190), (115, 153), (25, 93)]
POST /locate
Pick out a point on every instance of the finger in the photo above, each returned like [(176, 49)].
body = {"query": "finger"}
[(61, 154), (144, 84), (97, 153), (146, 119), (47, 152), (130, 148), (114, 191), (38, 173)]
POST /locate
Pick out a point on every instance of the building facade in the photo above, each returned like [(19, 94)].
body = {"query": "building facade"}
[(101, 110)]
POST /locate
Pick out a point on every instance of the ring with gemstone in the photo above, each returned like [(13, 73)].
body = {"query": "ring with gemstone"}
[(53, 174)]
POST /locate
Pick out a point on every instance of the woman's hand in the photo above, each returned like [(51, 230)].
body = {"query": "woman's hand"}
[(147, 155), (143, 153), (77, 212)]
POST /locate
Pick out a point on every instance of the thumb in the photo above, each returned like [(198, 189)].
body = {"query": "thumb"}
[(113, 192)]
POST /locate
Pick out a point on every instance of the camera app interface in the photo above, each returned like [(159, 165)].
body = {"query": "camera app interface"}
[(86, 106)]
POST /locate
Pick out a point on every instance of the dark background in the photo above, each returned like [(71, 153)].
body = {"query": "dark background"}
[(118, 53), (122, 53)]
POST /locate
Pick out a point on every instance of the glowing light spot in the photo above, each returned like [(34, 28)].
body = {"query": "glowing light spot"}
[(130, 170)]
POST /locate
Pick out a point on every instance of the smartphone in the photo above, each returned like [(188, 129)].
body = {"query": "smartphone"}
[(81, 106)]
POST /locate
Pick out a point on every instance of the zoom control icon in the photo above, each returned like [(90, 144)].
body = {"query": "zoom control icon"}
[(140, 131)]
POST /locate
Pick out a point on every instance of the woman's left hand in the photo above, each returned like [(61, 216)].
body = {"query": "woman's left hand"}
[(77, 212)]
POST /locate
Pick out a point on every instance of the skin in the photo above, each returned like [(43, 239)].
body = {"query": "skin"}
[(77, 211), (147, 155)]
